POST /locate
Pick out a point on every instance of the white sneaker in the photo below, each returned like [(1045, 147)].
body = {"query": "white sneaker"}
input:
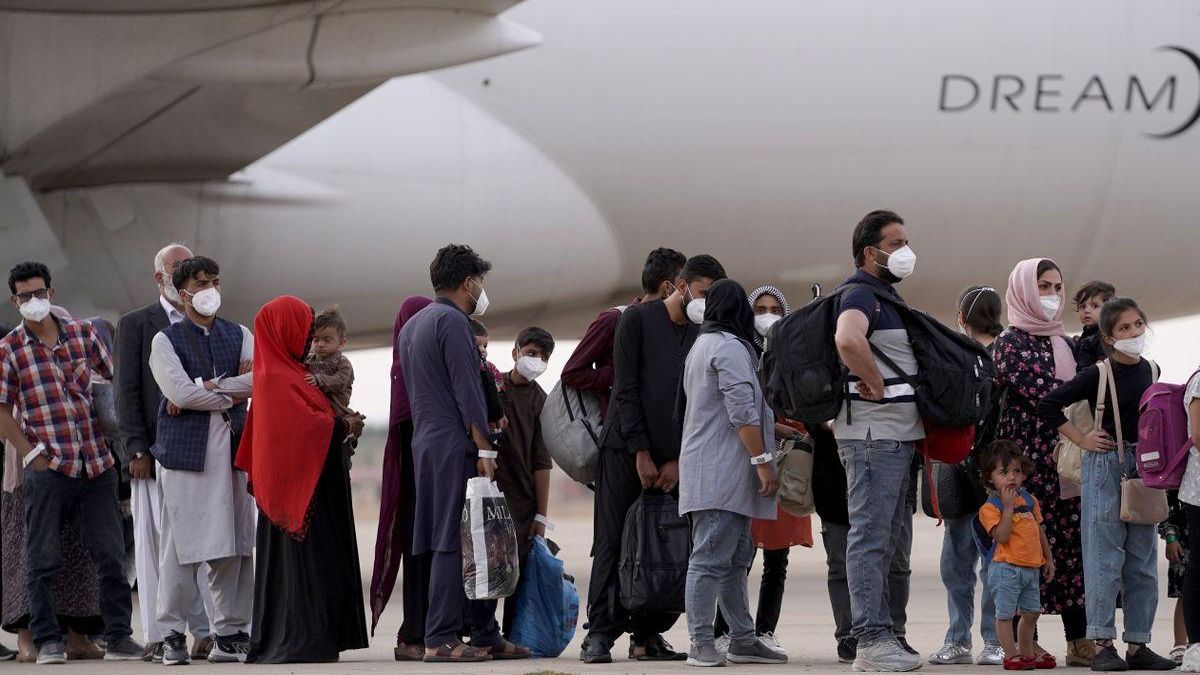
[(992, 655), (722, 644), (885, 655), (769, 638), (1191, 659), (1176, 653), (951, 654)]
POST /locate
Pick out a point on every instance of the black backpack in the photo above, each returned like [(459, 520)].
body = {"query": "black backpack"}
[(655, 546), (807, 380)]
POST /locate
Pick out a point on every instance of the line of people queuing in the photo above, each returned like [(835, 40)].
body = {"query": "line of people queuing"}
[(269, 571)]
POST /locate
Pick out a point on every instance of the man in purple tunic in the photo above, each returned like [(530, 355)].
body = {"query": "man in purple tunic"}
[(450, 445)]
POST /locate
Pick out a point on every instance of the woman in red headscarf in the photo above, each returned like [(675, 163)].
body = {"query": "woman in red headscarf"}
[(308, 596)]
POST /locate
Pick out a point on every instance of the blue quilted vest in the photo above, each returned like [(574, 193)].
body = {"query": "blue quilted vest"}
[(182, 442)]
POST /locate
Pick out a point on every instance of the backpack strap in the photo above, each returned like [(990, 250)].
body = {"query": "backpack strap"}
[(1155, 371), (1116, 408), (1101, 395)]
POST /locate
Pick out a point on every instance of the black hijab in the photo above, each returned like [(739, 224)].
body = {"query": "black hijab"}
[(727, 310)]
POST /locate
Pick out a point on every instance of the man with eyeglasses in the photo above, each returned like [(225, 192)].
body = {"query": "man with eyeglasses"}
[(138, 402), (46, 365)]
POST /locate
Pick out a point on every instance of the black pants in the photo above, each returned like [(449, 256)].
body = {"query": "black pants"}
[(617, 488), (770, 594), (1191, 579), (414, 568), (1074, 625)]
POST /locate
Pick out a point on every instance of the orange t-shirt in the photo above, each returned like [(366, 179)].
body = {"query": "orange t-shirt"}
[(1024, 546)]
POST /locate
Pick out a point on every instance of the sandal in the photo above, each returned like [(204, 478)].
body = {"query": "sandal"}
[(456, 652), (406, 652), (1045, 662), (507, 651), (655, 648), (1019, 663)]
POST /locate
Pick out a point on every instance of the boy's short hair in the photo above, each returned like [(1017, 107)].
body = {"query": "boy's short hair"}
[(454, 264), (999, 453), (538, 337), (1091, 289), (330, 317), (702, 266), (477, 327), (663, 264), (26, 271), (191, 268)]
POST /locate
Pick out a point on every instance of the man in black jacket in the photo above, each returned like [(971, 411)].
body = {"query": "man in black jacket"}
[(640, 452), (138, 400)]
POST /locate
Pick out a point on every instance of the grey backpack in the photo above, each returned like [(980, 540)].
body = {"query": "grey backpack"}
[(571, 431)]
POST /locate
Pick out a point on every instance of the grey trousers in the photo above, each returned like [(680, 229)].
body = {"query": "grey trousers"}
[(899, 573), (231, 581)]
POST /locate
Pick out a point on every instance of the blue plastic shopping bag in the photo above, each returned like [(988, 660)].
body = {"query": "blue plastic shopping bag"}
[(547, 604)]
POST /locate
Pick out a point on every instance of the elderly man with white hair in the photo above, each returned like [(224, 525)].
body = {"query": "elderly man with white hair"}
[(138, 400)]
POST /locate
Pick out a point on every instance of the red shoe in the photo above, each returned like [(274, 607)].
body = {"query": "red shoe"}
[(1045, 662), (1019, 663)]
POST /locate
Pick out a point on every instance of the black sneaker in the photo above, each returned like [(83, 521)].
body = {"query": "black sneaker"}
[(230, 648), (847, 650), (1145, 659), (595, 649), (7, 654), (123, 649), (175, 651), (907, 647), (1107, 660), (657, 649)]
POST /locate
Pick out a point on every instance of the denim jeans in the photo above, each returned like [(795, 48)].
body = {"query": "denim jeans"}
[(1117, 556), (834, 537), (50, 499), (959, 555), (877, 484), (721, 555)]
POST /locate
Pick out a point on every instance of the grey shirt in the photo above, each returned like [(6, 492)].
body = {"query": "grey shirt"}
[(723, 395)]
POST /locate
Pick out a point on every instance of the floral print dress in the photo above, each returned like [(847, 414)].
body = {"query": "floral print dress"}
[(1025, 368)]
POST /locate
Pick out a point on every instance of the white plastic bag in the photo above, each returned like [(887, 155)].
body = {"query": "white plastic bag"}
[(489, 543)]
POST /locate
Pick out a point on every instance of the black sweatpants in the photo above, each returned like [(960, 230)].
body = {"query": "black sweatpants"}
[(617, 488)]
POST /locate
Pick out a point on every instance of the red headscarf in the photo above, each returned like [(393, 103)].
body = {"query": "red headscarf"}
[(290, 424)]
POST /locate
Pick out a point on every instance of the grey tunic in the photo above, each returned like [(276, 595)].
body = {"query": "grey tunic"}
[(441, 373), (723, 395)]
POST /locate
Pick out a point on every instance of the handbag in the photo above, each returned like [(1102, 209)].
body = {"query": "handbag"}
[(1140, 505), (1069, 456)]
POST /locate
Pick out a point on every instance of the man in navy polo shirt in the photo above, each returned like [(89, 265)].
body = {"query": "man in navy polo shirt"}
[(875, 432)]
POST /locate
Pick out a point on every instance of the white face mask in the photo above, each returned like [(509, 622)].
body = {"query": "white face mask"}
[(35, 310), (901, 262), (207, 302), (530, 367), (1050, 305), (481, 302), (1131, 346), (695, 311), (169, 291), (763, 322)]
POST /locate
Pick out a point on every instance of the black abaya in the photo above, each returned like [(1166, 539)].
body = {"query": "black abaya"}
[(308, 596)]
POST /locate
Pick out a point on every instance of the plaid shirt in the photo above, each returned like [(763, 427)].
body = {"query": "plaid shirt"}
[(51, 390)]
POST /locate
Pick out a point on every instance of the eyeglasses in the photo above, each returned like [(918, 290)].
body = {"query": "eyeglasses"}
[(40, 294)]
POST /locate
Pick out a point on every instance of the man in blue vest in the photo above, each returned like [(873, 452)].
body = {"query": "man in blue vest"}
[(208, 517)]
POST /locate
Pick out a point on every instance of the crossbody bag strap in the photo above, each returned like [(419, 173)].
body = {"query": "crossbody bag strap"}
[(1116, 408), (1101, 395)]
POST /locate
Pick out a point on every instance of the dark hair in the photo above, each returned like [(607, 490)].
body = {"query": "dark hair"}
[(980, 307), (190, 268), (1091, 289), (477, 327), (1045, 266), (701, 266), (26, 271), (999, 453), (663, 264), (539, 337), (1112, 310), (330, 317), (867, 233), (454, 264)]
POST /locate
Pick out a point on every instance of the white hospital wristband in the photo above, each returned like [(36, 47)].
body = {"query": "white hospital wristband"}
[(762, 459), (33, 454), (539, 518), (488, 454)]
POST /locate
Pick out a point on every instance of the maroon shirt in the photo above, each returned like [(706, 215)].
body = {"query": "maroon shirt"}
[(590, 367)]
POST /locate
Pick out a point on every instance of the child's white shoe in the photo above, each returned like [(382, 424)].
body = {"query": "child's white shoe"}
[(1191, 659)]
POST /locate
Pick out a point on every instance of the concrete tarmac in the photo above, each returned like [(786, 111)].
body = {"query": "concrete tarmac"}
[(805, 628)]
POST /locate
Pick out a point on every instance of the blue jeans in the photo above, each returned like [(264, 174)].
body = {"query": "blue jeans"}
[(717, 569), (1117, 556), (50, 499), (1015, 588), (876, 485), (959, 555)]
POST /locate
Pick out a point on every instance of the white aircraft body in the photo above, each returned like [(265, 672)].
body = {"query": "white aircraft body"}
[(326, 149)]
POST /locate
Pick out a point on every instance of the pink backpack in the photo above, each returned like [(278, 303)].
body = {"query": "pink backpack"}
[(1163, 442)]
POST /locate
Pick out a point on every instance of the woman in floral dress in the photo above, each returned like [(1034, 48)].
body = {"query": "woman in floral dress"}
[(1033, 357)]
